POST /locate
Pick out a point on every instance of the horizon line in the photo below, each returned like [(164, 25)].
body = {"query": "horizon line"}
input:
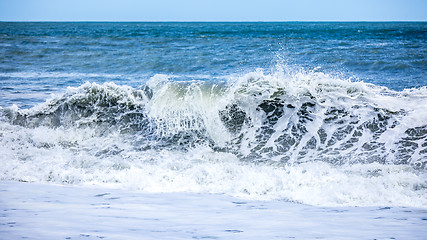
[(209, 21)]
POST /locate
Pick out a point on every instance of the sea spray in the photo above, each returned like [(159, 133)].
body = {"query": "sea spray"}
[(302, 136)]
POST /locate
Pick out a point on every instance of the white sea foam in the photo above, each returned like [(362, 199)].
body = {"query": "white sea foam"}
[(304, 137), (40, 155), (68, 212)]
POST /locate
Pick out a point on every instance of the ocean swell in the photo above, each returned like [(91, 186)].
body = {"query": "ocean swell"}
[(303, 136), (260, 117)]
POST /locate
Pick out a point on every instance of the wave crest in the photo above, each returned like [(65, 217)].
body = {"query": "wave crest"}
[(278, 117), (305, 137)]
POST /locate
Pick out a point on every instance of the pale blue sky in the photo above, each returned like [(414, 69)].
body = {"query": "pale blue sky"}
[(213, 10)]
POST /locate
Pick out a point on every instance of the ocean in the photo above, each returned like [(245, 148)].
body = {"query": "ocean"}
[(213, 130)]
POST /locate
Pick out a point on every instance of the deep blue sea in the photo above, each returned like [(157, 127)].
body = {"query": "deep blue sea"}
[(329, 115)]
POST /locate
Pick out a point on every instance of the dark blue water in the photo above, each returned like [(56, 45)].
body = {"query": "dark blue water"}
[(37, 59)]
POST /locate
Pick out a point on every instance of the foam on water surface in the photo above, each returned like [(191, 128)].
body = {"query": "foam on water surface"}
[(301, 136), (213, 130), (41, 211)]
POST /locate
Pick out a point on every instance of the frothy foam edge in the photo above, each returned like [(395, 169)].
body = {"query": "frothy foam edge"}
[(84, 156)]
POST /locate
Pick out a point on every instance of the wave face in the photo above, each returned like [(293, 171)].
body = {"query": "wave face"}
[(301, 136)]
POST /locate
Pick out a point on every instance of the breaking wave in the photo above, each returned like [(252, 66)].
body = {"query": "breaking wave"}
[(303, 136)]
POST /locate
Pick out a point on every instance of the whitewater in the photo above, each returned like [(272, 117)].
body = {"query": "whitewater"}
[(270, 150)]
